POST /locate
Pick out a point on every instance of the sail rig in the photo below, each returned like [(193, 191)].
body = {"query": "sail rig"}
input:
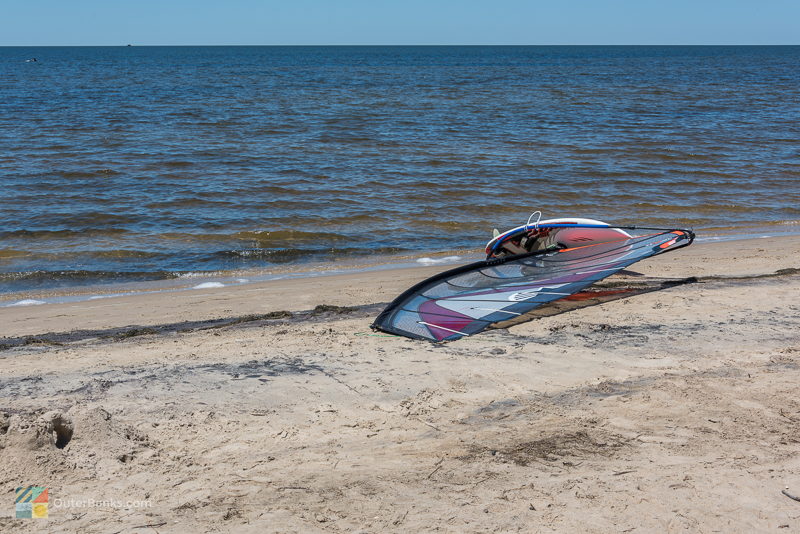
[(468, 299)]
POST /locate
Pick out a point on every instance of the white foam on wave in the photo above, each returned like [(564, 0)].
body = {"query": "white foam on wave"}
[(112, 295), (208, 285), (436, 261), (200, 274), (27, 302)]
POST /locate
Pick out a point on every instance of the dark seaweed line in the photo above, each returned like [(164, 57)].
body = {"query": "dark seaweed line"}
[(321, 312)]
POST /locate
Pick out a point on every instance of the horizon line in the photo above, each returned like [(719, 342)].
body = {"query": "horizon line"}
[(132, 45)]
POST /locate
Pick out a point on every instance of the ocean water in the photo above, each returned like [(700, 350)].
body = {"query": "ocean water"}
[(138, 163)]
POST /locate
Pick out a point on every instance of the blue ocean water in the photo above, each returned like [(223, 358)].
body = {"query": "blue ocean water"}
[(141, 162)]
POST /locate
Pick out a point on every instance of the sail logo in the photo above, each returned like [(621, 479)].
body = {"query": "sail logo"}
[(524, 295)]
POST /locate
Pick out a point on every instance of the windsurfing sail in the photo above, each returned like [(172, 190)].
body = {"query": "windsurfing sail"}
[(466, 300)]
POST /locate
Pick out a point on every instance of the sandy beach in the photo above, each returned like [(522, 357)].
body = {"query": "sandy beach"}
[(272, 407)]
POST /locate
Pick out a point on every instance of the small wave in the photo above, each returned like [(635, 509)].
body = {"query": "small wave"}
[(208, 285), (88, 275), (592, 150), (268, 237), (287, 255), (437, 261), (199, 274), (88, 173), (39, 256), (59, 234), (261, 239), (118, 254), (177, 164), (27, 302), (190, 202), (23, 281), (11, 253), (92, 220)]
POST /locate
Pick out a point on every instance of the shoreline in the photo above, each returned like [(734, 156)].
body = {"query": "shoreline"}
[(213, 279), (356, 288)]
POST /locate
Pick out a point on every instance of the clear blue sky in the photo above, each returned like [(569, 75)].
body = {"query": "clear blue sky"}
[(182, 22)]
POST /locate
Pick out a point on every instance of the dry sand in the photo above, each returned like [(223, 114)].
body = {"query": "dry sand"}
[(674, 410)]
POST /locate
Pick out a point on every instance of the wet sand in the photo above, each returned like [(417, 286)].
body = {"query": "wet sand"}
[(251, 409)]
